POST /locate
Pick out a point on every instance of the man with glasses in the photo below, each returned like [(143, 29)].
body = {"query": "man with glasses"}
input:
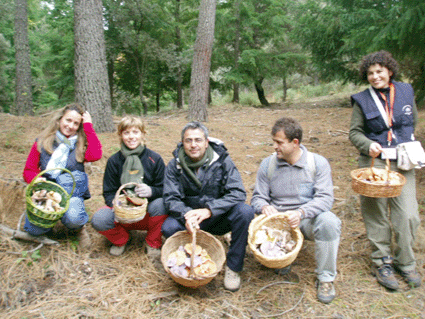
[(203, 190)]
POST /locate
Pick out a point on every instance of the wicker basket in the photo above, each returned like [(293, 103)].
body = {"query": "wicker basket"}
[(369, 189), (39, 217), (128, 215), (207, 241), (276, 221)]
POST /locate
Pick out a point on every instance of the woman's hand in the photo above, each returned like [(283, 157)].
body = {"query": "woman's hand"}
[(143, 190), (86, 117), (375, 149)]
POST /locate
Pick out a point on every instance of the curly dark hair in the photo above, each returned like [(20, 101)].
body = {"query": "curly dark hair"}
[(290, 127), (383, 58)]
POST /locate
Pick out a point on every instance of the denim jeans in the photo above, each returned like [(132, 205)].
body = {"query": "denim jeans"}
[(74, 218)]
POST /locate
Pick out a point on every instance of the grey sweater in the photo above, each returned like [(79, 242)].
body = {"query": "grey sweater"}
[(293, 186)]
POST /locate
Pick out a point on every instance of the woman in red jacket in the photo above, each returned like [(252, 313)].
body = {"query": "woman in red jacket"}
[(68, 141)]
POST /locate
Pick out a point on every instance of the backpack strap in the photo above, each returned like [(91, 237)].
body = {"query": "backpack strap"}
[(311, 165)]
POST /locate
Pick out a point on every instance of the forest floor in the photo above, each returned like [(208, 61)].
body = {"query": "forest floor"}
[(67, 282)]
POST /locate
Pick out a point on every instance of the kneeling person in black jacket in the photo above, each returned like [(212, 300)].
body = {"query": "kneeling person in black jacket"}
[(203, 190)]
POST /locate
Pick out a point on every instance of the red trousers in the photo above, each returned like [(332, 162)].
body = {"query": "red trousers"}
[(119, 235)]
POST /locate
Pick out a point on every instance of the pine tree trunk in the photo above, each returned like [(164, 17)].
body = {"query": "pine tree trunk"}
[(285, 88), (23, 101), (237, 50), (260, 92), (179, 84), (199, 79), (91, 75)]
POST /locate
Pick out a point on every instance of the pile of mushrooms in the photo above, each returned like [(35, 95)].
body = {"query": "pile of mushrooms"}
[(379, 176), (48, 201), (274, 243), (179, 262)]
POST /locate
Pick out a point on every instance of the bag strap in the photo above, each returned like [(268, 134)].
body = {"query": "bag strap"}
[(311, 165)]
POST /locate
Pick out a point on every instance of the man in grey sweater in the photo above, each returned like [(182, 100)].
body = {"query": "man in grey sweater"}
[(299, 183)]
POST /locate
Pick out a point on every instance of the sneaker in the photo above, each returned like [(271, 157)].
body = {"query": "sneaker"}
[(411, 277), (283, 271), (232, 279), (385, 274), (227, 238), (154, 255), (83, 238), (325, 291), (117, 250)]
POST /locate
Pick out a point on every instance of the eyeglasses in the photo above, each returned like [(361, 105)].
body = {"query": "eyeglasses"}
[(193, 140)]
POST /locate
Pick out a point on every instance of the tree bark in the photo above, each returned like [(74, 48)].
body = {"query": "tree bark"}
[(179, 84), (199, 79), (260, 92), (23, 100), (285, 88), (237, 50), (91, 75)]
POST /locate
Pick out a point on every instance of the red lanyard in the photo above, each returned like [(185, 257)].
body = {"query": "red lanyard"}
[(389, 110)]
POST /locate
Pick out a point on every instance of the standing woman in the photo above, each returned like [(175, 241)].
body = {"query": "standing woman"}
[(138, 164), (68, 141), (384, 116)]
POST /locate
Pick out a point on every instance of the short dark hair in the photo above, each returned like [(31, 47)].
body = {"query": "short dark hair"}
[(290, 127), (383, 58), (193, 126)]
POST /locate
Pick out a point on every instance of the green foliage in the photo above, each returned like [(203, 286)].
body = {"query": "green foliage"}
[(339, 32), (6, 56), (29, 259), (149, 46)]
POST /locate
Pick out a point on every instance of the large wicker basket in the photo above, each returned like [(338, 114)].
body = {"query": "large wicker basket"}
[(39, 217), (128, 215), (207, 241), (276, 221), (369, 189)]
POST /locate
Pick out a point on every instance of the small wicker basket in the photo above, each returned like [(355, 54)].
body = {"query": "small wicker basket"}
[(42, 218), (207, 241), (128, 215), (276, 221), (369, 189)]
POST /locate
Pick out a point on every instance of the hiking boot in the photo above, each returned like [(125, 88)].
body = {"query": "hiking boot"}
[(325, 291), (411, 277), (385, 274), (232, 279), (154, 255), (283, 271), (117, 250), (83, 238)]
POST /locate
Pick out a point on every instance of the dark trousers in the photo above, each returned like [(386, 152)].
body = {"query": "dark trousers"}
[(236, 220)]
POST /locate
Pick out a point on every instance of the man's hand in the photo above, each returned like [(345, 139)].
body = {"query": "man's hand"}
[(269, 210), (293, 217), (143, 190), (196, 216)]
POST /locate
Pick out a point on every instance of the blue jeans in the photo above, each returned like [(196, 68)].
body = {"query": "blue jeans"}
[(236, 220), (74, 218)]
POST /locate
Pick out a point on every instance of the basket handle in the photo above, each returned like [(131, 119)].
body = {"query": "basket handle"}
[(34, 180), (387, 166), (121, 188), (192, 256)]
